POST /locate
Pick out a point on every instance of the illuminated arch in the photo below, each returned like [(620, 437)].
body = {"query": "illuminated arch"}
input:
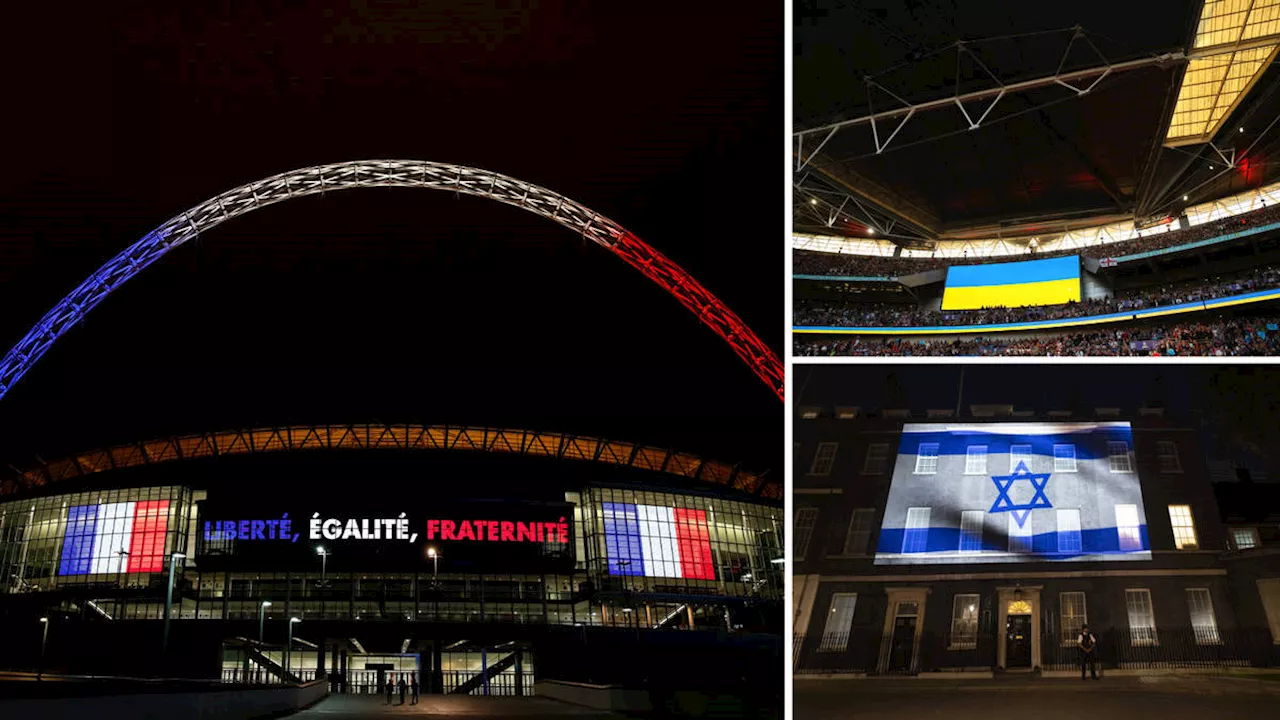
[(391, 173), (298, 438)]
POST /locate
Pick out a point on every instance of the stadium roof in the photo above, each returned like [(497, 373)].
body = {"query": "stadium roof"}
[(936, 120)]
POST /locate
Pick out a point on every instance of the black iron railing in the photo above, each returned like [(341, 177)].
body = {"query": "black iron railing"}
[(871, 652)]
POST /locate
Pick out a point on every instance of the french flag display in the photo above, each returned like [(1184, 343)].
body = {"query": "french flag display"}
[(655, 541), (123, 537)]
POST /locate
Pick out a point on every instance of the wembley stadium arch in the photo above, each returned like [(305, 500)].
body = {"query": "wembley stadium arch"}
[(461, 179)]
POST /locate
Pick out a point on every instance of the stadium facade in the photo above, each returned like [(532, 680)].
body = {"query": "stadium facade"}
[(470, 559), (934, 543)]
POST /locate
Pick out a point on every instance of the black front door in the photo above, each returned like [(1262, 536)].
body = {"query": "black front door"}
[(1018, 642), (903, 643)]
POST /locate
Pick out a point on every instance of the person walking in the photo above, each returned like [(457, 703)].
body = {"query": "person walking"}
[(413, 686), (403, 687), (1088, 645)]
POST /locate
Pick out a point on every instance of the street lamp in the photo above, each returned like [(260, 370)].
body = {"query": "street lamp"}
[(262, 614), (324, 561), (44, 638), (288, 646), (168, 601), (435, 565)]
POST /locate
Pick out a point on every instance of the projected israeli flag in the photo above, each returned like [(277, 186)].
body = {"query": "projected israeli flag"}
[(1014, 492)]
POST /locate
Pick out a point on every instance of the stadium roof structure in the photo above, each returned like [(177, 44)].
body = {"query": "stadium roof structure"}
[(922, 121), (394, 437)]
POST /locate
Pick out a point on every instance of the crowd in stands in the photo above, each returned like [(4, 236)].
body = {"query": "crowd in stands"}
[(806, 262), (826, 313), (1223, 337)]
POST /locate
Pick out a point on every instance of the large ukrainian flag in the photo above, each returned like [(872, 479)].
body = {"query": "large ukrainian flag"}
[(1034, 282)]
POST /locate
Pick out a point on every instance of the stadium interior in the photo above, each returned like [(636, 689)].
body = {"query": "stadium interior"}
[(1135, 157)]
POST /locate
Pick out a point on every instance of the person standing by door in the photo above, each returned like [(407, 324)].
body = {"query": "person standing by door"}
[(402, 686), (1088, 652), (391, 687), (413, 686)]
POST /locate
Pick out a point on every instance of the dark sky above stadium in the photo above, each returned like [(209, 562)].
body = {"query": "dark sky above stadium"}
[(1235, 406), (393, 305)]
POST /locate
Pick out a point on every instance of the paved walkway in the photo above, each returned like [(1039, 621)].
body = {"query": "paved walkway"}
[(1164, 697), (344, 707)]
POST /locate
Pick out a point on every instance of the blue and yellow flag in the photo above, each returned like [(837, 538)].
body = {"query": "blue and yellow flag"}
[(1017, 284)]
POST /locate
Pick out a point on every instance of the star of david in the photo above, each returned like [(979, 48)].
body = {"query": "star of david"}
[(1004, 503)]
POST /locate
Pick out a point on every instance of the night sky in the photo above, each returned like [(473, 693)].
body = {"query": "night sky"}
[(394, 305), (1234, 406)]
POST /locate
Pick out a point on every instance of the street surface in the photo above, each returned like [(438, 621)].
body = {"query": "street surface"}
[(1166, 697), (354, 707)]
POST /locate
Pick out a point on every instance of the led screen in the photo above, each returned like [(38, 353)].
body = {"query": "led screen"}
[(1016, 284), (1014, 492), (656, 541), (122, 537)]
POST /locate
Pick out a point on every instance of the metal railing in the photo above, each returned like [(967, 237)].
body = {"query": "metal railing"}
[(1180, 647), (871, 652)]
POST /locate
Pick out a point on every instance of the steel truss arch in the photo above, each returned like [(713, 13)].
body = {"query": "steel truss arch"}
[(591, 225), (378, 436)]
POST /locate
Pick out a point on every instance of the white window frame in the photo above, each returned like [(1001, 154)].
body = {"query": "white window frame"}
[(1021, 452), (833, 638), (857, 539), (975, 460), (927, 464), (1070, 636), (805, 520), (1072, 515), (908, 527), (824, 458), (1144, 630), (1183, 524), (1119, 457), (1135, 528), (1252, 532), (982, 519), (1206, 632), (1167, 454), (1021, 533), (961, 638), (1064, 463), (879, 454)]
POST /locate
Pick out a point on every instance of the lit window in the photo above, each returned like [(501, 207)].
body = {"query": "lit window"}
[(971, 530), (964, 622), (1118, 457), (1203, 622), (1021, 454), (1128, 527), (877, 455), (806, 518), (1069, 531), (859, 535), (1245, 538), (1142, 621), (1064, 458), (835, 632), (916, 536), (1020, 535), (824, 459), (1184, 528), (1074, 616), (927, 459), (975, 460)]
